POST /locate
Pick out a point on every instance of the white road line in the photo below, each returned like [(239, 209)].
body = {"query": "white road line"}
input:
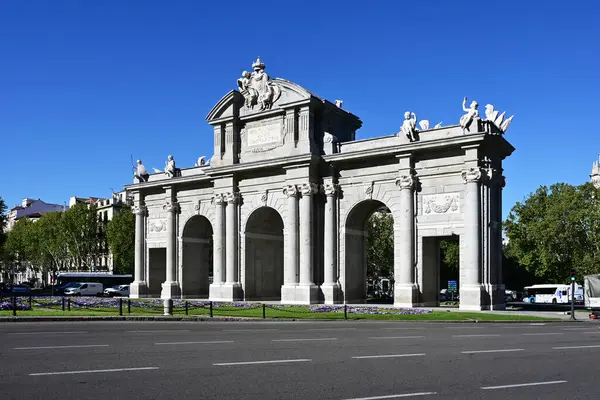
[(398, 329), (331, 329), (395, 396), (161, 331), (264, 362), (473, 336), (45, 333), (391, 356), (61, 347), (248, 330), (93, 371), (465, 327), (522, 384), (591, 332), (397, 337), (576, 329), (543, 334), (302, 340), (538, 324), (577, 347), (491, 351), (216, 341)]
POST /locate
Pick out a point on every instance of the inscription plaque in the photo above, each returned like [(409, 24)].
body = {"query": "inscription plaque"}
[(264, 134)]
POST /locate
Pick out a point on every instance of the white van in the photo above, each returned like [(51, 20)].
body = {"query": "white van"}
[(85, 289)]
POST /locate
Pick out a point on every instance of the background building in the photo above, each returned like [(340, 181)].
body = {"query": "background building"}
[(32, 209)]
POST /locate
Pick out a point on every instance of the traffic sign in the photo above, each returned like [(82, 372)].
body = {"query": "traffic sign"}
[(452, 285)]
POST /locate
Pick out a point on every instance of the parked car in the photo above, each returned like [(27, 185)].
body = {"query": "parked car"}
[(85, 289), (119, 290), (21, 289)]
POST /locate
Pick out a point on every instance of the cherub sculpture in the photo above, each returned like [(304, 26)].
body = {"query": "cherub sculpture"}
[(471, 113), (409, 126), (170, 169)]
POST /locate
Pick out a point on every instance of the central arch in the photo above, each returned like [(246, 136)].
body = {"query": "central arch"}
[(197, 266), (357, 286), (264, 255)]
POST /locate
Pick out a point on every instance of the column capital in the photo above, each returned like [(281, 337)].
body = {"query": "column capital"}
[(232, 197), (331, 189), (290, 190), (308, 189), (471, 175), (171, 206), (140, 210), (218, 199), (406, 181)]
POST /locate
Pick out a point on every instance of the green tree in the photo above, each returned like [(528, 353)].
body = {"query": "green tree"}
[(20, 247), (81, 230), (450, 254), (52, 242), (120, 234), (380, 245), (3, 218), (556, 229)]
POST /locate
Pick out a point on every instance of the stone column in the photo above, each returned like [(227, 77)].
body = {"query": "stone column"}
[(308, 292), (139, 287), (405, 288), (170, 288), (231, 287), (290, 268), (471, 295), (218, 247), (331, 286)]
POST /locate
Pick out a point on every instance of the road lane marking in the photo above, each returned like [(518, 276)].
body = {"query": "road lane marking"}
[(264, 362), (397, 337), (577, 347), (93, 371), (538, 324), (45, 333), (215, 341), (331, 329), (395, 396), (61, 347), (302, 340), (591, 332), (576, 329), (465, 327), (161, 331), (491, 351), (522, 385), (393, 329), (248, 330), (391, 356), (543, 334), (474, 336)]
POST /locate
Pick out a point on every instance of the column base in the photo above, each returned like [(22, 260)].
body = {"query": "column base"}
[(406, 295), (225, 292), (332, 293), (497, 296), (300, 294), (138, 289), (473, 298), (170, 290)]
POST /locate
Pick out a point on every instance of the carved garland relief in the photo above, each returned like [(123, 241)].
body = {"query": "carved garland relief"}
[(448, 203)]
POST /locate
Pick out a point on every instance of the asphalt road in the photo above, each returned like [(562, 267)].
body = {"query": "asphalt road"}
[(298, 360)]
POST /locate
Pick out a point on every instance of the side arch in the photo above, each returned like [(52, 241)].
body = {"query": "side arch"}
[(197, 257)]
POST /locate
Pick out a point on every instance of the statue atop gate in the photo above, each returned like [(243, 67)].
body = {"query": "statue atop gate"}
[(257, 88)]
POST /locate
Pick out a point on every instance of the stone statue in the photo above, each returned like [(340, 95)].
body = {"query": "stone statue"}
[(141, 174), (170, 169), (498, 121), (595, 175), (471, 113), (409, 126), (424, 124), (257, 88), (200, 162)]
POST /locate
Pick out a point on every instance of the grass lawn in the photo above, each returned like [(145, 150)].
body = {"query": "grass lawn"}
[(282, 313)]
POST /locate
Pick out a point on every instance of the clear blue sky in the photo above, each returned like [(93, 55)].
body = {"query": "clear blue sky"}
[(84, 84)]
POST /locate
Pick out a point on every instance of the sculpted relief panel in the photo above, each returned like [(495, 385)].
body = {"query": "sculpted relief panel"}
[(446, 203), (157, 225)]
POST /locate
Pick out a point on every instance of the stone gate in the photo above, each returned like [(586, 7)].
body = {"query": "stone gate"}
[(279, 212)]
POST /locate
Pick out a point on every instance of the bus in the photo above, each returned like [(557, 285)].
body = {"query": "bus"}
[(552, 293), (106, 279)]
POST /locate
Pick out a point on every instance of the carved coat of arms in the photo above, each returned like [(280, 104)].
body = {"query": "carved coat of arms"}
[(257, 88)]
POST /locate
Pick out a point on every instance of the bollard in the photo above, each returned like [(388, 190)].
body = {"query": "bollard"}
[(128, 306), (264, 311), (211, 312), (168, 306), (69, 304), (186, 308), (120, 307), (14, 306), (345, 311), (63, 304)]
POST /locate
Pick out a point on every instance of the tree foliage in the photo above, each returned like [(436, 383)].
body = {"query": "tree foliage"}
[(120, 234), (556, 229), (380, 245), (450, 254)]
